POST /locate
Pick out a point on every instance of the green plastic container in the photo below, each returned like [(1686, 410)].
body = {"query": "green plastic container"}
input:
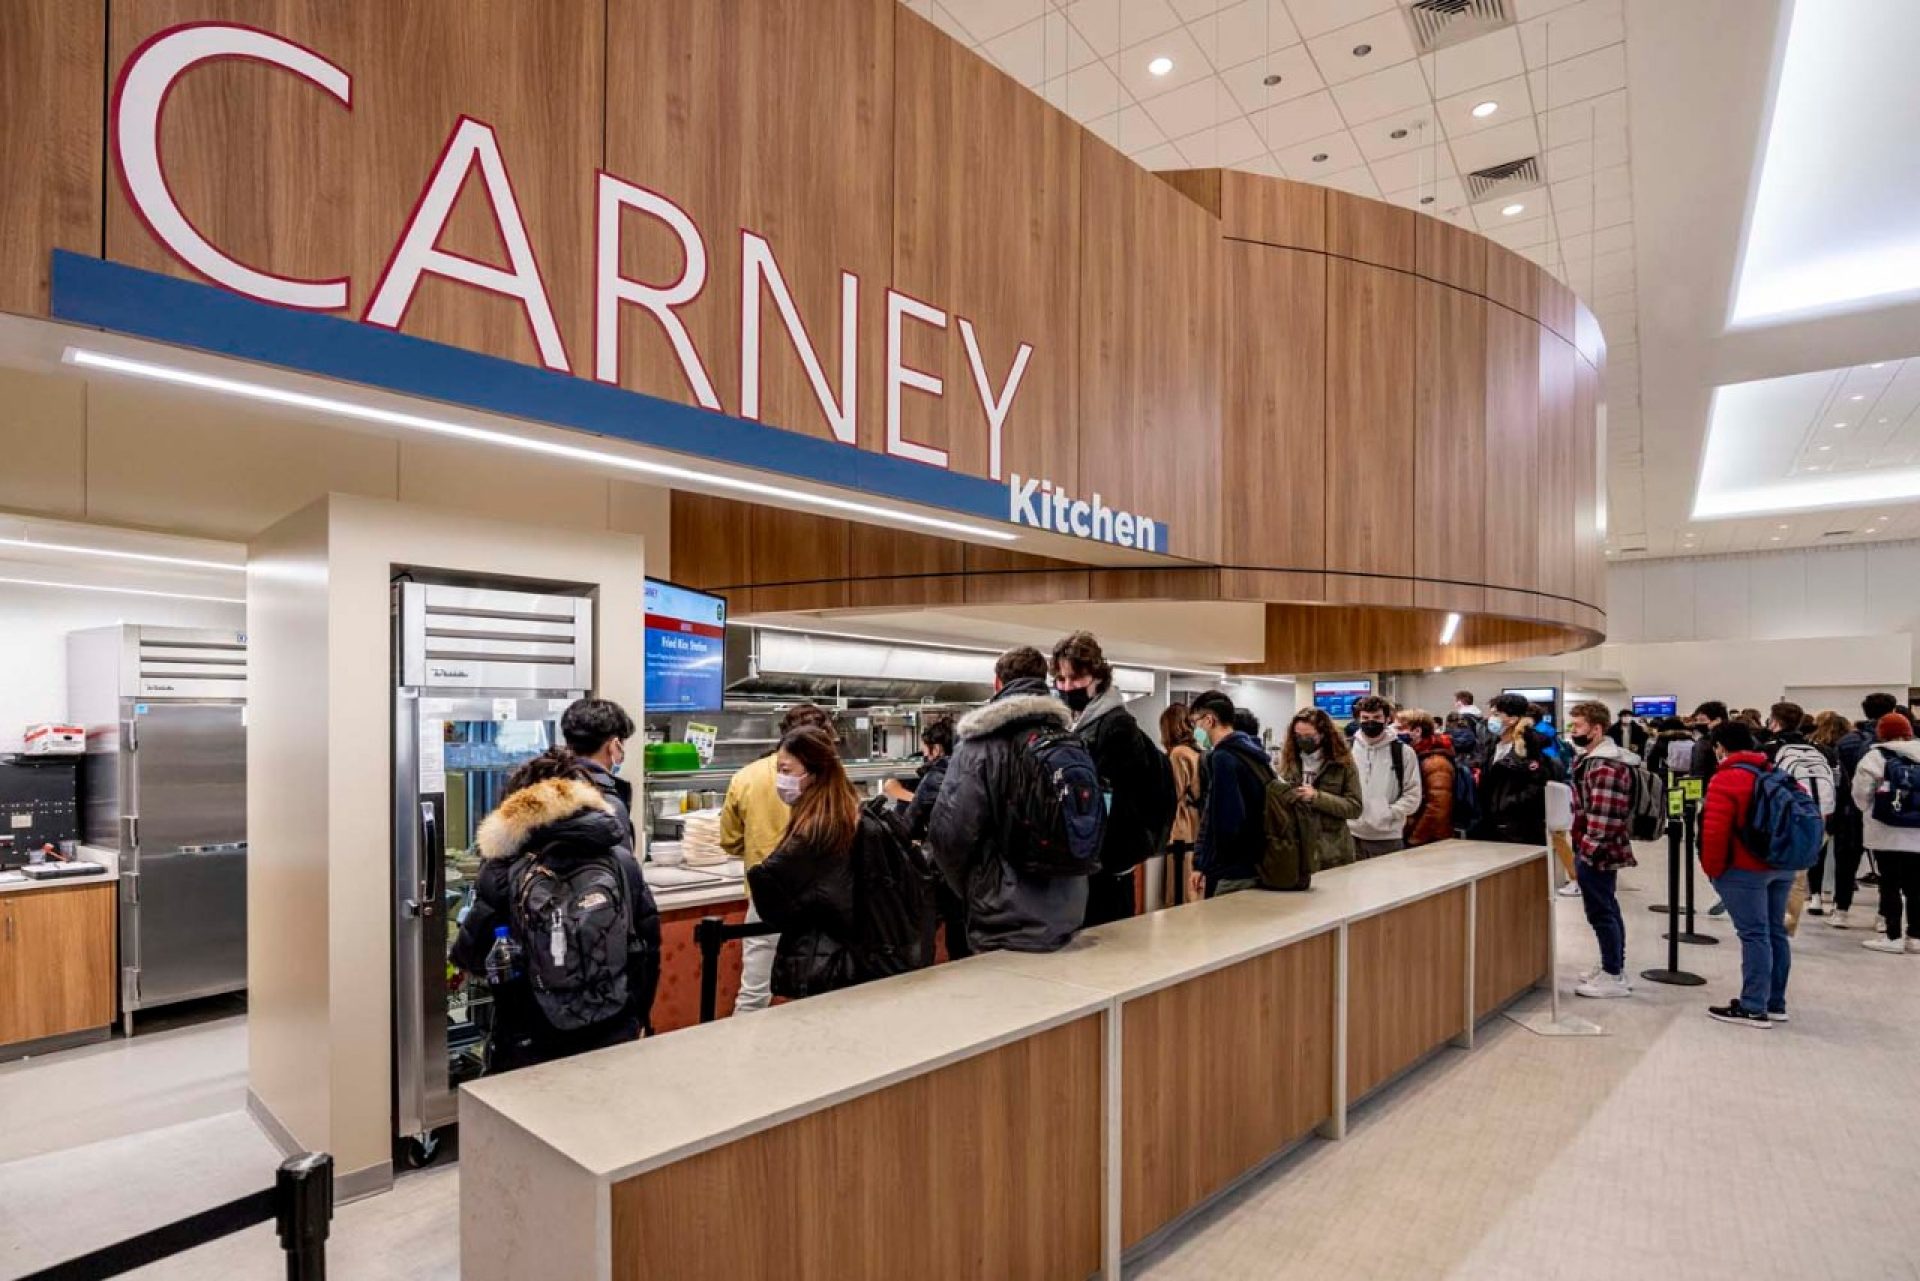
[(672, 758)]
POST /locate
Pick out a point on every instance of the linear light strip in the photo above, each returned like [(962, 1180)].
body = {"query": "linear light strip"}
[(1448, 630), (963, 649), (552, 449), (75, 549), (119, 591)]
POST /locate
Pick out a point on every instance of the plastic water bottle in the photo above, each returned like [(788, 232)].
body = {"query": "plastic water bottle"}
[(503, 958)]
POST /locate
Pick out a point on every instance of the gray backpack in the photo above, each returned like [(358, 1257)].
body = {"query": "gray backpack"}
[(572, 919)]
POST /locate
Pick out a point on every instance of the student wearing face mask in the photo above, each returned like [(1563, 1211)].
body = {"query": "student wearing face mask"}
[(1226, 859), (1513, 783), (1602, 842), (596, 731), (1389, 775), (1316, 766), (851, 900)]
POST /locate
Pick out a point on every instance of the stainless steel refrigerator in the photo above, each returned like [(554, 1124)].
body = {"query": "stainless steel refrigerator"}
[(481, 678), (164, 782)]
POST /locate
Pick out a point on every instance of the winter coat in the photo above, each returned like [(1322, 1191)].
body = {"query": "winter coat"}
[(1728, 797), (1325, 820), (1513, 794), (571, 820), (968, 834), (1186, 785), (1231, 838), (817, 899), (1603, 807), (1129, 766), (1387, 799), (1433, 821), (1873, 768), (925, 793), (1848, 751)]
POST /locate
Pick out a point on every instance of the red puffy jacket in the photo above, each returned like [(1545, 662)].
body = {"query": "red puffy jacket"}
[(1729, 795)]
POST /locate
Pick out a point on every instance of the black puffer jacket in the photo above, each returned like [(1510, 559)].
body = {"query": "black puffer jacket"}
[(570, 819), (926, 794), (1132, 768), (844, 918), (618, 793), (969, 832), (1513, 795)]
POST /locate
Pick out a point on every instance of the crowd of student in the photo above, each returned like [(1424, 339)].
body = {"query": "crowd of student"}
[(1029, 816)]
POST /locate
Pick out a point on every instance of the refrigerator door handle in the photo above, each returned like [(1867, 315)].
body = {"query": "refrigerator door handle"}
[(434, 888)]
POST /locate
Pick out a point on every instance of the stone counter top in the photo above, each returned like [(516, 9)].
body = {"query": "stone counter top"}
[(108, 859)]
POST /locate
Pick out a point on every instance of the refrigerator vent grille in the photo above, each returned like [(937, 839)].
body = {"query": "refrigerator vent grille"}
[(502, 635), (193, 660)]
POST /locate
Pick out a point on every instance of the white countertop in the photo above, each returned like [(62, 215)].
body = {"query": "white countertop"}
[(110, 859), (721, 883), (621, 1111)]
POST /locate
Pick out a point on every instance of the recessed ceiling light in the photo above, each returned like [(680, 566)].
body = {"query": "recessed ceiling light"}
[(1397, 134), (1876, 364), (1857, 396), (1779, 526), (1839, 426), (1825, 448), (1879, 517), (1513, 209), (1271, 80), (1160, 66), (1319, 157), (1774, 539), (1482, 110), (1362, 50)]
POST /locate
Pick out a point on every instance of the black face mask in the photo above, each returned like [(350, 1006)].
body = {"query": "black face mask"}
[(1077, 699), (1373, 729), (1307, 746), (1580, 740)]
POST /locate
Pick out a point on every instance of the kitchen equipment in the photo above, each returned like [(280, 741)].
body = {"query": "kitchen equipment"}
[(700, 841), (164, 782), (39, 802), (666, 758), (481, 678), (61, 871)]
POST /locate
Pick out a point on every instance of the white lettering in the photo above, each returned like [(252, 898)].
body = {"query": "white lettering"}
[(611, 289), (899, 308), (418, 253), (1020, 501), (1102, 513), (139, 101), (1147, 534), (757, 266), (1077, 518), (997, 406)]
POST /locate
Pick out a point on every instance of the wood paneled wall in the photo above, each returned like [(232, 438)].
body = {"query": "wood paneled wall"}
[(1406, 987), (1193, 1122), (1510, 935), (49, 150), (1007, 1144)]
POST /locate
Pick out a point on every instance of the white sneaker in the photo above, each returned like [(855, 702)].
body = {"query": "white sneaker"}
[(1838, 919), (1913, 946), (1816, 905), (1570, 890), (1885, 945), (1604, 986)]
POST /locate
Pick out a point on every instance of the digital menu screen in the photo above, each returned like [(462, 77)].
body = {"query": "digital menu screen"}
[(1656, 705), (1336, 698), (686, 649)]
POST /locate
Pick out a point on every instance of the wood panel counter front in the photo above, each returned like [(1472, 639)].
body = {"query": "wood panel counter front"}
[(1007, 1115)]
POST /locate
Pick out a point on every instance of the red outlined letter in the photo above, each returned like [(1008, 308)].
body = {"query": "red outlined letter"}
[(418, 252), (758, 269), (997, 407), (899, 307), (140, 98), (610, 288)]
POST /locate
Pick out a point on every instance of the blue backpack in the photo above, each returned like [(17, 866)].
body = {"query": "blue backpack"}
[(1896, 802), (1783, 827), (1466, 796), (1056, 805)]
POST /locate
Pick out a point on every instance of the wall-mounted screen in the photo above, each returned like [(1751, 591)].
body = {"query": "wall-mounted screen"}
[(1548, 697), (1656, 705), (686, 649), (1336, 698)]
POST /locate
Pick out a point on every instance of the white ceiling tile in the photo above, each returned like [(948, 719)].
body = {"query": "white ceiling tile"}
[(1227, 145), (1456, 110), (1588, 76), (1515, 140), (1299, 120), (1189, 10), (1317, 17), (1416, 132), (939, 15), (1086, 94), (1412, 170), (1040, 50), (1526, 9), (1613, 263), (1613, 184), (985, 19), (1448, 195), (1472, 63), (1572, 31), (1241, 31), (1164, 156), (1523, 235), (1358, 181), (1576, 220), (1194, 107), (1300, 160), (1381, 93), (1266, 166), (1112, 25), (1385, 36), (1571, 161), (1294, 67), (1597, 117), (1573, 192), (1189, 64)]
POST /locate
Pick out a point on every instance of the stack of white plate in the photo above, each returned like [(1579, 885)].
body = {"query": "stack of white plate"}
[(700, 841)]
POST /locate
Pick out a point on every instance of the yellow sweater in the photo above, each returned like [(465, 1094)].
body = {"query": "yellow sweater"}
[(754, 818)]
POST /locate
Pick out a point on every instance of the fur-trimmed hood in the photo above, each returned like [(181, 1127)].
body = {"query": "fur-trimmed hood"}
[(542, 809), (1022, 702)]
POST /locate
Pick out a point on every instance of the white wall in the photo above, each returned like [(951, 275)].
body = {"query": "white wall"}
[(34, 622)]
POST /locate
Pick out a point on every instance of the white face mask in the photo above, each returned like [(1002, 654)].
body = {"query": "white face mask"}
[(1496, 723), (789, 786)]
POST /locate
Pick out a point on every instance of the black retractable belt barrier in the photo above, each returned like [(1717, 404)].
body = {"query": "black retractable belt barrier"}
[(712, 933), (1672, 906), (300, 1202), (1673, 974), (1694, 825)]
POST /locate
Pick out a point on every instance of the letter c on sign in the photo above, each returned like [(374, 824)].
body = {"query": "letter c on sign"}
[(138, 102)]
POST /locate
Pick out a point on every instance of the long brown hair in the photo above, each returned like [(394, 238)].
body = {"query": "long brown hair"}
[(828, 812), (1829, 728), (1333, 744), (1176, 727)]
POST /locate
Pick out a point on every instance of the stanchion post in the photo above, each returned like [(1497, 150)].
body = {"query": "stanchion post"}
[(303, 1203), (707, 933), (1686, 932), (1676, 855)]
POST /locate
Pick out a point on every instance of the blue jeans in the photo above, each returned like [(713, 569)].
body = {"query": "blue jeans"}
[(1599, 895), (1757, 905)]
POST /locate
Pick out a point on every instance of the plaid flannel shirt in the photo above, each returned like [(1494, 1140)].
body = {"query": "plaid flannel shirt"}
[(1602, 810)]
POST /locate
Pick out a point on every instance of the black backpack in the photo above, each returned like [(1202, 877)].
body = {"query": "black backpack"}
[(1161, 805), (1285, 862), (572, 919), (892, 896), (1056, 808)]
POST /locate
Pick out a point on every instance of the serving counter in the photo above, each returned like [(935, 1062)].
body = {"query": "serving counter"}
[(58, 959), (1005, 1115)]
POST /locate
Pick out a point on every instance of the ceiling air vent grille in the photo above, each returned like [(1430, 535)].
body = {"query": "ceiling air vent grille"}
[(1503, 179), (1439, 23)]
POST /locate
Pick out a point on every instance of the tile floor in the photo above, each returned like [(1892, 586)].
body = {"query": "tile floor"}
[(1671, 1146)]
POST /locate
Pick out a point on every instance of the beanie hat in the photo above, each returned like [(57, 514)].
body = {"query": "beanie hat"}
[(1893, 726)]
